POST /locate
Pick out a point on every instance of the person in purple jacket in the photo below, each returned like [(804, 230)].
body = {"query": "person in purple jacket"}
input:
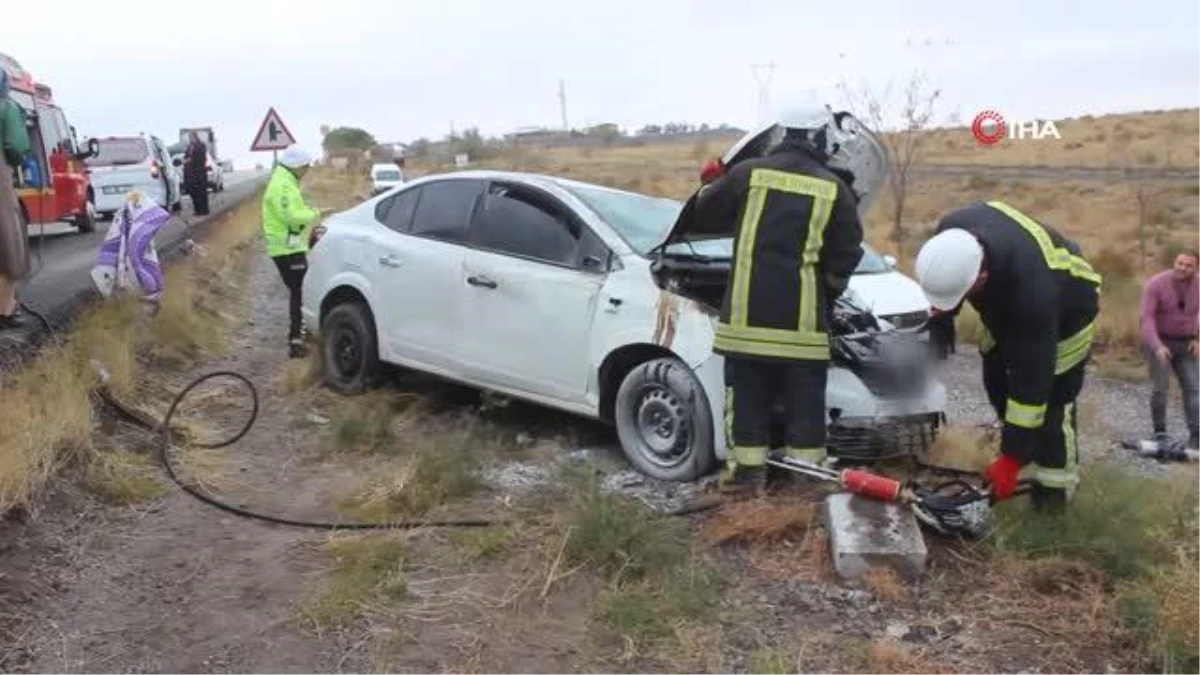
[(1170, 307)]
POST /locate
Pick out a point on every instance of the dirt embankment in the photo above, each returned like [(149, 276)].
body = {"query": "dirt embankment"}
[(133, 574)]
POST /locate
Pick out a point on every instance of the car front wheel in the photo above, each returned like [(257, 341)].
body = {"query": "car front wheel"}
[(664, 422), (350, 358)]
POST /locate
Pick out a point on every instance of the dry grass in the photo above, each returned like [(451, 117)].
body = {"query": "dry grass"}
[(886, 656), (760, 520), (886, 585), (48, 409), (368, 572), (124, 478), (433, 474), (1154, 139)]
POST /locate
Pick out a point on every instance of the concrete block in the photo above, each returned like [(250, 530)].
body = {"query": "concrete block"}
[(865, 533)]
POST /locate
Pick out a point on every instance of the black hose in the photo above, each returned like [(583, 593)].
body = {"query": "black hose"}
[(164, 429)]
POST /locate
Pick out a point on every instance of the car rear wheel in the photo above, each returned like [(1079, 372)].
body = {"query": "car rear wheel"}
[(664, 422), (350, 358)]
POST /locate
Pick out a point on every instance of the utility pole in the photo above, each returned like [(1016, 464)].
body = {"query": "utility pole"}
[(562, 104), (763, 72)]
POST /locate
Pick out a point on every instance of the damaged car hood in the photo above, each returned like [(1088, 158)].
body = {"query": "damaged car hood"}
[(859, 151)]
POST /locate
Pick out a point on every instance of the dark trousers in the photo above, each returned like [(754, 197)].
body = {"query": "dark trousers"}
[(1185, 367), (1055, 454), (752, 387), (292, 268), (199, 195)]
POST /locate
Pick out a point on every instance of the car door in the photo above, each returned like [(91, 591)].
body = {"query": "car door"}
[(416, 264), (532, 278), (168, 173)]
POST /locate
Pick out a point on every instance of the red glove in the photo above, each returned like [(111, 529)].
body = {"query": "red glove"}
[(1003, 475), (713, 170)]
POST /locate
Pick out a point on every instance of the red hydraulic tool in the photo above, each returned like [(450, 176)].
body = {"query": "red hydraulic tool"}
[(953, 507)]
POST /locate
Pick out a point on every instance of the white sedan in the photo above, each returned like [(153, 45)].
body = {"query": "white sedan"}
[(549, 290)]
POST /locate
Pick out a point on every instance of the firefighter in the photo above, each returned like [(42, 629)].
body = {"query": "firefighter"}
[(1038, 299), (797, 239)]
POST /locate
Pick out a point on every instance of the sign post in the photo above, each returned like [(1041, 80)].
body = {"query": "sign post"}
[(272, 135)]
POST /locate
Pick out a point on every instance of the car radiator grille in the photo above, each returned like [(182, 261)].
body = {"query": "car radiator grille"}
[(869, 440)]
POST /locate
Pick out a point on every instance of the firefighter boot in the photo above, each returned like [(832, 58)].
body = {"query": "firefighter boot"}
[(743, 480), (1048, 500)]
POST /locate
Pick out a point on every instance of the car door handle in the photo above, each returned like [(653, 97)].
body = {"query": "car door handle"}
[(481, 281), (389, 261)]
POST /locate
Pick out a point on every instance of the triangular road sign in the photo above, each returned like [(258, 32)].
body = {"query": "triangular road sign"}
[(273, 134)]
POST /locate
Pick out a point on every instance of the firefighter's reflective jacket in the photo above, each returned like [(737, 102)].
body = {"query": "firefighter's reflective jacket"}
[(1038, 310), (797, 241)]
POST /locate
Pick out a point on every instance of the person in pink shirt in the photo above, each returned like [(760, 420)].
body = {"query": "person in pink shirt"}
[(1170, 325)]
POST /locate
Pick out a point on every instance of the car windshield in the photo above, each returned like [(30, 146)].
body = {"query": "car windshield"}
[(640, 219), (871, 262), (387, 175), (119, 152)]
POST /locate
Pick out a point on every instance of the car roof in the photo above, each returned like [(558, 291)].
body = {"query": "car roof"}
[(536, 179)]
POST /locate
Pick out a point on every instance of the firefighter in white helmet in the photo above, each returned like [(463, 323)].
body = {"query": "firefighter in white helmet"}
[(797, 239), (1038, 299)]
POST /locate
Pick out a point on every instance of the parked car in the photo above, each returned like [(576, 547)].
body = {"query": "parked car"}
[(126, 163), (216, 174), (384, 177), (545, 289)]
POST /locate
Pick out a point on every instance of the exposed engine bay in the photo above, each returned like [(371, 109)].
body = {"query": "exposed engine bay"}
[(890, 364)]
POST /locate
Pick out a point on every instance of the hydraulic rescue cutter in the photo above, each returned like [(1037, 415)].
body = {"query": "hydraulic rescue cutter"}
[(954, 507)]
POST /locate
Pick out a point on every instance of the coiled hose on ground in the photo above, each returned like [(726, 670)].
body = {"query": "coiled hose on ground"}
[(164, 430)]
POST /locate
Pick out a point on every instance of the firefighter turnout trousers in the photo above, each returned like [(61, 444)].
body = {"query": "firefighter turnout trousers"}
[(1055, 452), (753, 387)]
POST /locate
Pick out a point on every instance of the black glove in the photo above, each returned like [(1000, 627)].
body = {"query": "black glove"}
[(941, 335)]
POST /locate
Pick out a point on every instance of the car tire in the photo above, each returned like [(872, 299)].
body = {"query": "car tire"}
[(664, 421), (86, 221), (349, 354)]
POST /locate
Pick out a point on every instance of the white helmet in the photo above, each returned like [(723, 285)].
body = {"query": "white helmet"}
[(947, 267), (295, 158), (849, 145)]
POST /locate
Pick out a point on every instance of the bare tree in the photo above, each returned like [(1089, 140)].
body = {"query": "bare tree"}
[(903, 125)]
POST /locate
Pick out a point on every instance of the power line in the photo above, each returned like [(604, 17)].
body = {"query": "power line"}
[(763, 72)]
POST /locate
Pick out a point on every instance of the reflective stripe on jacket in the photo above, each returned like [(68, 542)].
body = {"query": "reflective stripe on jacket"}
[(1038, 310), (284, 212), (797, 241)]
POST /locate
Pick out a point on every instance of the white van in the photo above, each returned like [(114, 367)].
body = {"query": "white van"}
[(385, 177), (127, 163)]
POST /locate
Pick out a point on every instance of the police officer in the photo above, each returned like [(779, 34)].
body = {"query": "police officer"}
[(797, 240), (287, 221), (1038, 300)]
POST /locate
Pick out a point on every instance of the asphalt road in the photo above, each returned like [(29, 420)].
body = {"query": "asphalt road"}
[(62, 257)]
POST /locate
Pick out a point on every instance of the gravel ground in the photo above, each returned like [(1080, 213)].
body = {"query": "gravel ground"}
[(1111, 411)]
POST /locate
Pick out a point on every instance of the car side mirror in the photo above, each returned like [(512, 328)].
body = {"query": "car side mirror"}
[(93, 149), (593, 264), (889, 260)]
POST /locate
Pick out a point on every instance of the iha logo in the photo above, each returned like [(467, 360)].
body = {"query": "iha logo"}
[(990, 127)]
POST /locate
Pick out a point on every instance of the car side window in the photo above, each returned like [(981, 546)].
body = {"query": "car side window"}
[(397, 211), (444, 209), (525, 222)]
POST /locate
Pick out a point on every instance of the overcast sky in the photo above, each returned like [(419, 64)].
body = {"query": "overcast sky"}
[(404, 69)]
